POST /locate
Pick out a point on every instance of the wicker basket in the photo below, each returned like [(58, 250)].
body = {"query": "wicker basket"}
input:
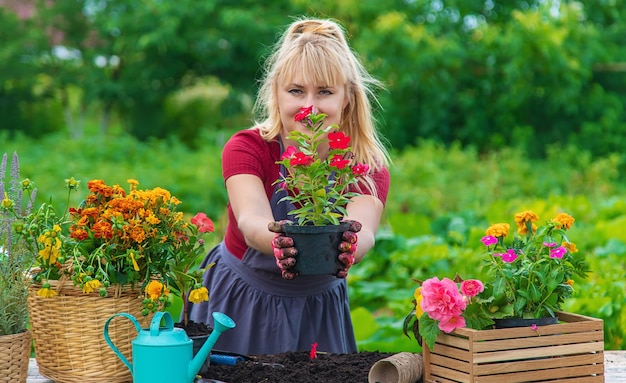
[(14, 357), (68, 333)]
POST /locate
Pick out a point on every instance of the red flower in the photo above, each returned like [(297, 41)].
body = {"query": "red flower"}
[(339, 162), (303, 113), (338, 140), (288, 153), (360, 169), (313, 352), (204, 223), (300, 158)]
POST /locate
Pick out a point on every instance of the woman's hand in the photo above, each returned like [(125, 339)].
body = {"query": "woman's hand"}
[(348, 247), (284, 249)]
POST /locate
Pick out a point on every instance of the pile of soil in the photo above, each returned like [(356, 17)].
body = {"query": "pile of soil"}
[(298, 367)]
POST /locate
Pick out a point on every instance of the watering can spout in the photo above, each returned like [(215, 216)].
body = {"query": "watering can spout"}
[(221, 323)]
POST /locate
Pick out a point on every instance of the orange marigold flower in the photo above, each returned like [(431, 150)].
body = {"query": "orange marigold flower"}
[(102, 229), (571, 247), (564, 221), (155, 289), (524, 229), (525, 216), (498, 230)]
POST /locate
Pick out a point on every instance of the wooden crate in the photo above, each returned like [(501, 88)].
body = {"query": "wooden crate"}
[(571, 351)]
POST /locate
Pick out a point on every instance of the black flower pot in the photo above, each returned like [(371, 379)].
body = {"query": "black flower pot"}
[(524, 322), (318, 248)]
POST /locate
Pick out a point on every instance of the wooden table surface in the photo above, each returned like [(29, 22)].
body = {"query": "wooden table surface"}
[(614, 369)]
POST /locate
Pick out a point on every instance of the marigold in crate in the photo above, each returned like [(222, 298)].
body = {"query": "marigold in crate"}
[(528, 277), (118, 236)]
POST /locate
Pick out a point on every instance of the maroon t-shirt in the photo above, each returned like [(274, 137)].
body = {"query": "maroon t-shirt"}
[(247, 153)]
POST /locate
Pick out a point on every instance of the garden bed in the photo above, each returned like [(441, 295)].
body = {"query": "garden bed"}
[(298, 367)]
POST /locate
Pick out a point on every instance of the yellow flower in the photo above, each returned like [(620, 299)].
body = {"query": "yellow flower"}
[(570, 282), (521, 219), (563, 220), (571, 247), (418, 302), (155, 289), (6, 202), (498, 230), (132, 258), (199, 295), (46, 292), (90, 286)]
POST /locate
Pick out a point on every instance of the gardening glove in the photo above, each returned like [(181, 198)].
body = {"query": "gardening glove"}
[(284, 250), (348, 247)]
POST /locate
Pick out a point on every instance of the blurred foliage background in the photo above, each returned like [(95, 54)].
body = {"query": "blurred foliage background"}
[(491, 107)]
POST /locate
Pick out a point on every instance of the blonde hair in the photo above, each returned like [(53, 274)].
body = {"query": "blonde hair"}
[(318, 50)]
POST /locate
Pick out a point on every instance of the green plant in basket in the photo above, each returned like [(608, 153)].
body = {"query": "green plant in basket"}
[(319, 187), (529, 277), (15, 257), (124, 237)]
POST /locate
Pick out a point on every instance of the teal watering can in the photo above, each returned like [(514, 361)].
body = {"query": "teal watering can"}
[(165, 354)]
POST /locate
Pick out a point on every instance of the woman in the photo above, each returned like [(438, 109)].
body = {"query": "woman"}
[(311, 65)]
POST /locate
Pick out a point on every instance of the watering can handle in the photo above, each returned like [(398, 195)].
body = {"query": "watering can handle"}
[(110, 343), (155, 324)]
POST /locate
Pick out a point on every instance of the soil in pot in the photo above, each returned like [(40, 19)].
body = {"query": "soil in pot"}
[(293, 367)]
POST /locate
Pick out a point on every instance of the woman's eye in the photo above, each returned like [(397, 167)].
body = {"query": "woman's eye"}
[(295, 91), (325, 92)]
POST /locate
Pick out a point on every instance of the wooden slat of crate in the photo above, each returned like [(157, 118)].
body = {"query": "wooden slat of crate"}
[(571, 351)]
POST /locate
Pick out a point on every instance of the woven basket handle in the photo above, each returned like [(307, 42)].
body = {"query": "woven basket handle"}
[(110, 343)]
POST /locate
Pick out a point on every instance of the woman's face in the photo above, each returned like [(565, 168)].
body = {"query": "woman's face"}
[(327, 99)]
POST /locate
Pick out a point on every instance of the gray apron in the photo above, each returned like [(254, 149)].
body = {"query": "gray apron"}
[(274, 315)]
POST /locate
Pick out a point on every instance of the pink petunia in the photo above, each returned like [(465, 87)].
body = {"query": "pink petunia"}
[(472, 287), (489, 240)]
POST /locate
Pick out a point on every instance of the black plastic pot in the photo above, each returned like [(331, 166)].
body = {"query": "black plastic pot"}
[(524, 322), (318, 248)]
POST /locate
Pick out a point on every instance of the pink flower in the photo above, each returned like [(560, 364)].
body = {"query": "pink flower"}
[(559, 252), (489, 240), (509, 256), (303, 113), (533, 327), (549, 244), (289, 152), (451, 323), (472, 287), (203, 223), (338, 140), (442, 300)]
